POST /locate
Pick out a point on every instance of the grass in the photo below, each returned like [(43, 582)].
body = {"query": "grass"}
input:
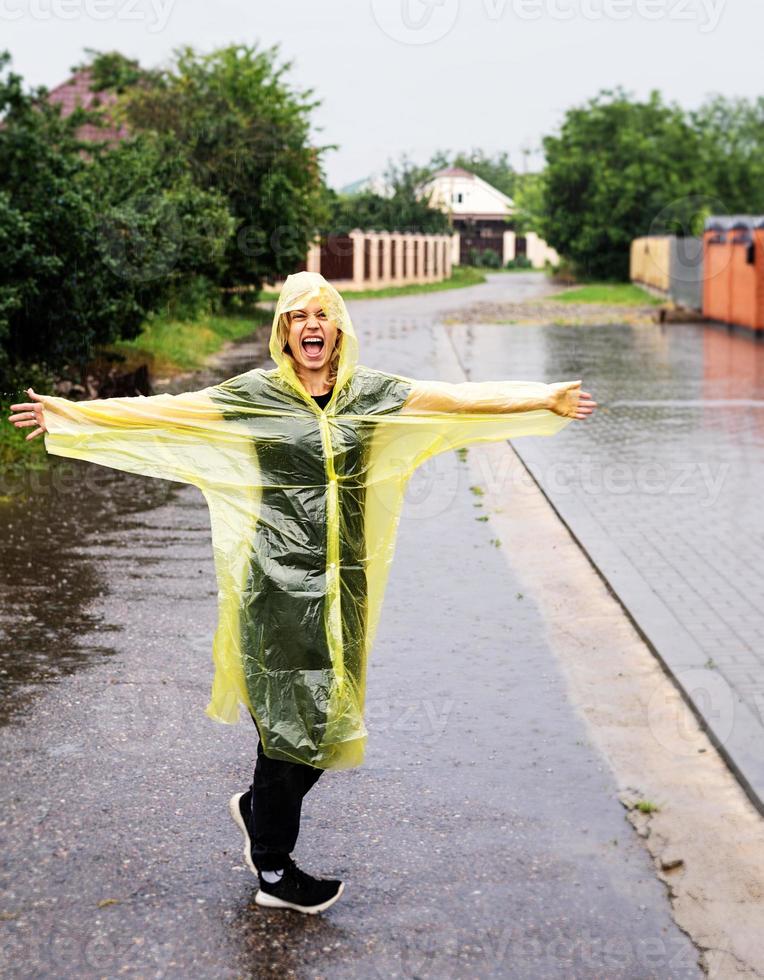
[(646, 806), (462, 275), (171, 346), (609, 294), (17, 456)]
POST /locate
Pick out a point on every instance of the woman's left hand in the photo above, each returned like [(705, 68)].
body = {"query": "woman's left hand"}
[(567, 399), (586, 405)]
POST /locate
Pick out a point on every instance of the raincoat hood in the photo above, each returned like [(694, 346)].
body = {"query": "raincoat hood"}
[(298, 289)]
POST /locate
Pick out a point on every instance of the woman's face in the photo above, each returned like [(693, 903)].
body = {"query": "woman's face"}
[(312, 336)]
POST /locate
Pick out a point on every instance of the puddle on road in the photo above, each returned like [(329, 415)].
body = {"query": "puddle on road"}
[(54, 535), (48, 619)]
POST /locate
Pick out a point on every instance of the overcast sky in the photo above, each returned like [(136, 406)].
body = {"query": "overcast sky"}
[(422, 75)]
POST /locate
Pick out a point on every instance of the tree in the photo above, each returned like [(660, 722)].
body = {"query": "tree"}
[(245, 134), (112, 70), (731, 133), (406, 208), (529, 202), (613, 169), (84, 252), (158, 230), (53, 298)]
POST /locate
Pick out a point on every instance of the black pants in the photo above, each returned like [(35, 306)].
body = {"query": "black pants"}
[(278, 789)]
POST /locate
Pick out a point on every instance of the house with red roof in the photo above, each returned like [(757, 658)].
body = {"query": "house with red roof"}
[(78, 91)]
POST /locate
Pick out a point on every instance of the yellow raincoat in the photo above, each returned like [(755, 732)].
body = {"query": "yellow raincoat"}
[(304, 505)]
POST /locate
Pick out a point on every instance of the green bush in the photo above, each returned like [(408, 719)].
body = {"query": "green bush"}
[(192, 298), (564, 274), (490, 259), (405, 209)]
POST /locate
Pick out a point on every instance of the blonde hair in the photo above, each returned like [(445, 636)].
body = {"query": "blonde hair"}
[(282, 329)]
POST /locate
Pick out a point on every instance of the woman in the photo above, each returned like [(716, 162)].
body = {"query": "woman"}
[(303, 468)]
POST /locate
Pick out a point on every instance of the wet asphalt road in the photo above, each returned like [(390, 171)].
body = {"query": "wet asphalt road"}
[(483, 837)]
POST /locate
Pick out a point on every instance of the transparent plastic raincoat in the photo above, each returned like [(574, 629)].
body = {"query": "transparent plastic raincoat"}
[(304, 504)]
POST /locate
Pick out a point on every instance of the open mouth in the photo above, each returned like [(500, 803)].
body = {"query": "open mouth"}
[(313, 346)]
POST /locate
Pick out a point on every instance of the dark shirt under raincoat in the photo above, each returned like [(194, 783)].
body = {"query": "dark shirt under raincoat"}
[(304, 505)]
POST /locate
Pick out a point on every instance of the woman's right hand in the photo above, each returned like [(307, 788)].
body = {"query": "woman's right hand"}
[(29, 414)]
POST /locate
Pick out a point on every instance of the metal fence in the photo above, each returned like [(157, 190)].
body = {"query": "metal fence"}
[(671, 265), (376, 259)]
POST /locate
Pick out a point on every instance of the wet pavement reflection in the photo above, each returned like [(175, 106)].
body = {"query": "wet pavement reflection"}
[(49, 572), (662, 489)]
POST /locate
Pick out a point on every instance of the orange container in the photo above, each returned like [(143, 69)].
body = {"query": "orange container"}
[(717, 258), (733, 286)]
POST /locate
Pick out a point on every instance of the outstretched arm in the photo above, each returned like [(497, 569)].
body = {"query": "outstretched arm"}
[(438, 416), (562, 398), (172, 437)]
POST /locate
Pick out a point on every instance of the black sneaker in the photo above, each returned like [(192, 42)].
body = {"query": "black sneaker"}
[(240, 807), (298, 890)]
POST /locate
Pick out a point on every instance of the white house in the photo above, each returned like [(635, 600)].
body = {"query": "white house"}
[(482, 216), (466, 195)]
